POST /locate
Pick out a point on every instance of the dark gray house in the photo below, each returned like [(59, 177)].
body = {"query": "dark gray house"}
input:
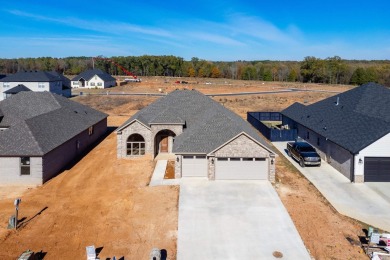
[(41, 132), (351, 131), (207, 139), (37, 81), (94, 78)]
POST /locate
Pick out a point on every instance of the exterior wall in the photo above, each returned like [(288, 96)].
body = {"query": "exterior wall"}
[(379, 148), (335, 155), (134, 128), (57, 159), (67, 92), (94, 83), (243, 146), (54, 87), (10, 171), (211, 167), (178, 166)]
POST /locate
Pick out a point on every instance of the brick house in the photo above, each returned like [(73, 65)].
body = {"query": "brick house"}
[(206, 139)]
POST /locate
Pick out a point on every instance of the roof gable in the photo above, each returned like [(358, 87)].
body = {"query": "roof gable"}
[(17, 89)]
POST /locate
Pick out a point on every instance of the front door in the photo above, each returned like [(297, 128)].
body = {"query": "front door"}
[(164, 144)]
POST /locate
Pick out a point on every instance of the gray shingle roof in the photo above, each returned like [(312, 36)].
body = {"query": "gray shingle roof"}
[(208, 125), (31, 76), (360, 118), (17, 89), (89, 74), (41, 121)]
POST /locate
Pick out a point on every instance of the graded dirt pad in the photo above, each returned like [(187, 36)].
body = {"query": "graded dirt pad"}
[(100, 201), (325, 233)]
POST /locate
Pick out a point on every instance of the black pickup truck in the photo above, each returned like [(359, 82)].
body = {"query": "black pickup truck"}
[(304, 153)]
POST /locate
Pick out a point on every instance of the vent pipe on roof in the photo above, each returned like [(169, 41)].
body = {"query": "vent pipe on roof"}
[(337, 101)]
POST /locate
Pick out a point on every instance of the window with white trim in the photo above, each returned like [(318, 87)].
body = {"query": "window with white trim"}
[(99, 84), (41, 84), (24, 165), (6, 85), (92, 84)]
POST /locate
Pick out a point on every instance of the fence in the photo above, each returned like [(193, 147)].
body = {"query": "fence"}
[(271, 133)]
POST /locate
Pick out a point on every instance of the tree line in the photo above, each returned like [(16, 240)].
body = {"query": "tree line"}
[(332, 70)]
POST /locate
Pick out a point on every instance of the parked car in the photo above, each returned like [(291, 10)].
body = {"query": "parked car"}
[(304, 153)]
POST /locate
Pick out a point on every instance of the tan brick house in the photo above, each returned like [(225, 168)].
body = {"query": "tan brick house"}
[(207, 139)]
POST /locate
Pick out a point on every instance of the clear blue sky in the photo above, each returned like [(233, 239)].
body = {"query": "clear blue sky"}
[(211, 30)]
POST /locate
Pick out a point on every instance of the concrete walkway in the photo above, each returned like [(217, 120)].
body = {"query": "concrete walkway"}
[(234, 220), (159, 173), (367, 202)]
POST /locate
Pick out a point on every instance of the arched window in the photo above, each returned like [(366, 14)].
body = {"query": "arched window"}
[(135, 145)]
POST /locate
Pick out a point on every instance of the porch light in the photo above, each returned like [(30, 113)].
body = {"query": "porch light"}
[(360, 161), (177, 159), (272, 161), (212, 160)]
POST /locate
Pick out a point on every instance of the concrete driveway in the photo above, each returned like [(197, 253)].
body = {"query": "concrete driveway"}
[(367, 202), (234, 220)]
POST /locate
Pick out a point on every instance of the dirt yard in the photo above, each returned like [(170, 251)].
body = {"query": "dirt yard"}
[(106, 202), (100, 201)]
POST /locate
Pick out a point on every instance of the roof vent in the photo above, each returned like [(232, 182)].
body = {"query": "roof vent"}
[(337, 101)]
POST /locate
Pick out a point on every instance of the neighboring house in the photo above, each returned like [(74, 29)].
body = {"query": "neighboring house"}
[(37, 81), (207, 139), (41, 133), (93, 79), (66, 84), (351, 131)]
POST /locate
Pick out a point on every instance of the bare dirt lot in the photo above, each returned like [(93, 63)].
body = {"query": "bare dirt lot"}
[(106, 202)]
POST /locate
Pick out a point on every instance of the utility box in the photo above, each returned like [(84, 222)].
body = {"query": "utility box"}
[(91, 252), (12, 222)]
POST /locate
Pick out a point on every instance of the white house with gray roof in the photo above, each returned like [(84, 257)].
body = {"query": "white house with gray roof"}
[(37, 81), (41, 133), (95, 78), (207, 139), (351, 131)]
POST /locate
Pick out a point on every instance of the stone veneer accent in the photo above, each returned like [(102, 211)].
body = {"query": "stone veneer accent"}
[(211, 168), (359, 179), (178, 167), (243, 146), (134, 128)]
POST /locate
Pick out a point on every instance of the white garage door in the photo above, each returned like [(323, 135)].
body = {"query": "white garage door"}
[(194, 166), (241, 169)]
